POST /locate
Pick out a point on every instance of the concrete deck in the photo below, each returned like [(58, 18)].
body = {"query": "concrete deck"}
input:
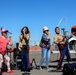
[(52, 65)]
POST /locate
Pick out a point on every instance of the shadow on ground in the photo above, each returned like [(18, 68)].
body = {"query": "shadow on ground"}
[(25, 73)]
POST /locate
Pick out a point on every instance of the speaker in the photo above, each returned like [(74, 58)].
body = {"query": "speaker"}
[(69, 69)]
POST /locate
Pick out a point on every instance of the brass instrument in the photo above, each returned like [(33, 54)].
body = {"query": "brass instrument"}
[(72, 40)]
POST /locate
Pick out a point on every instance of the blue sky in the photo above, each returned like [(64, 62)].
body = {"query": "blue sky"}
[(15, 14)]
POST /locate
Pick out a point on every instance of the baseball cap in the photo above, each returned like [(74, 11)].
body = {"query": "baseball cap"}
[(45, 28), (4, 30), (74, 27)]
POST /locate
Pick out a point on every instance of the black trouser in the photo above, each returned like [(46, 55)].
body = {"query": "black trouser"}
[(25, 57)]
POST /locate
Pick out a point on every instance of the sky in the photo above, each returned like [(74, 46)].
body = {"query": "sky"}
[(35, 14)]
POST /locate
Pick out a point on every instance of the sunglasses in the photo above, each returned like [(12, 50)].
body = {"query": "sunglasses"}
[(47, 30)]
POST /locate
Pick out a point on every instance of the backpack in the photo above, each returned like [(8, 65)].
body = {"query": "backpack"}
[(41, 42), (47, 44)]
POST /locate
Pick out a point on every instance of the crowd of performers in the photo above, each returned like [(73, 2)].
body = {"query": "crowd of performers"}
[(23, 47)]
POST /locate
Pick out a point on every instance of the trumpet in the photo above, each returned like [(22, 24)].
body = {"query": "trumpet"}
[(72, 43), (72, 40)]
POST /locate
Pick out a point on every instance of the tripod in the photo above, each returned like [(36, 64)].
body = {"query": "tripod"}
[(33, 61)]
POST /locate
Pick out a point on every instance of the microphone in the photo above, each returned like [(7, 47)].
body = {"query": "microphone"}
[(9, 32)]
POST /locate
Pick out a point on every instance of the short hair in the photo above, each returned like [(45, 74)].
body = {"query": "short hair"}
[(56, 28)]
